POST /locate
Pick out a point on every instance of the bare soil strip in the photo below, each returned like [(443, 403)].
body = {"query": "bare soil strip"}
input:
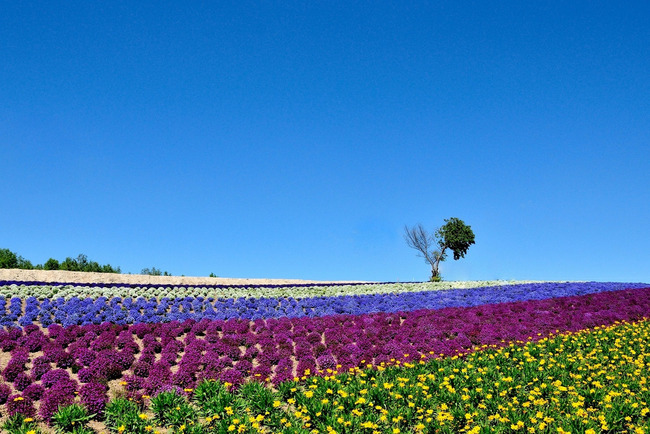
[(139, 279)]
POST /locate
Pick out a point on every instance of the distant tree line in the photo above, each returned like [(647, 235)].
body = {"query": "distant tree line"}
[(153, 271), (9, 259)]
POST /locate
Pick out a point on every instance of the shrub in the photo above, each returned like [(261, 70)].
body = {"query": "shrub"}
[(211, 398), (34, 391), (5, 391), (22, 381), (52, 377), (94, 397), (19, 423), (171, 409), (123, 414), (15, 367), (70, 418), (61, 394), (260, 397), (20, 404)]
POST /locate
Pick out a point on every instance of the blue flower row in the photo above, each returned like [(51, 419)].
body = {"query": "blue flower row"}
[(75, 311)]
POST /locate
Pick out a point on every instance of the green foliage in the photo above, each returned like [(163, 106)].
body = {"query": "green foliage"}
[(212, 275), (259, 397), (81, 263), (51, 264), (195, 429), (123, 415), (171, 409), (153, 271), (456, 236), (24, 264), (72, 418), (18, 424), (8, 259), (214, 400), (206, 390), (287, 389)]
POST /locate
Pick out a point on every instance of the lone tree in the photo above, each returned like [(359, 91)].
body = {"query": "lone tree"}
[(454, 235)]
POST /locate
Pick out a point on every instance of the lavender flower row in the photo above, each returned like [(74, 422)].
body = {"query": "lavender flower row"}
[(75, 311), (150, 356)]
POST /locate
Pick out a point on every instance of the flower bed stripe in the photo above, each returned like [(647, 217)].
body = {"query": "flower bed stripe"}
[(75, 311), (25, 290)]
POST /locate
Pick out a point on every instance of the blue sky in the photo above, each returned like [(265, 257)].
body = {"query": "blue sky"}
[(296, 139)]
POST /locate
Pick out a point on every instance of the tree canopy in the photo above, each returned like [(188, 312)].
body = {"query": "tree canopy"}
[(454, 235)]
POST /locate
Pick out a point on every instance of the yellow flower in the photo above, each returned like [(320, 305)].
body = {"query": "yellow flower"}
[(644, 411), (516, 426)]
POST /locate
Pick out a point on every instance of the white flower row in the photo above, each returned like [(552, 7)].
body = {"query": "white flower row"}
[(297, 292)]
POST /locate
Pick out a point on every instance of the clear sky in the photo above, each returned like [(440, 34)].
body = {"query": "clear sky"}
[(296, 139)]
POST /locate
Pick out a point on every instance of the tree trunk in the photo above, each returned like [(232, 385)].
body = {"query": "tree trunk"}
[(435, 274)]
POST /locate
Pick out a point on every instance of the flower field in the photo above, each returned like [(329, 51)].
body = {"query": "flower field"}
[(364, 358)]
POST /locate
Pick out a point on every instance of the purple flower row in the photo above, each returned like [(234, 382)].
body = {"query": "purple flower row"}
[(75, 311), (150, 356)]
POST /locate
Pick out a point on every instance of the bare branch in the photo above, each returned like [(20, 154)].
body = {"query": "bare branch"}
[(419, 239)]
